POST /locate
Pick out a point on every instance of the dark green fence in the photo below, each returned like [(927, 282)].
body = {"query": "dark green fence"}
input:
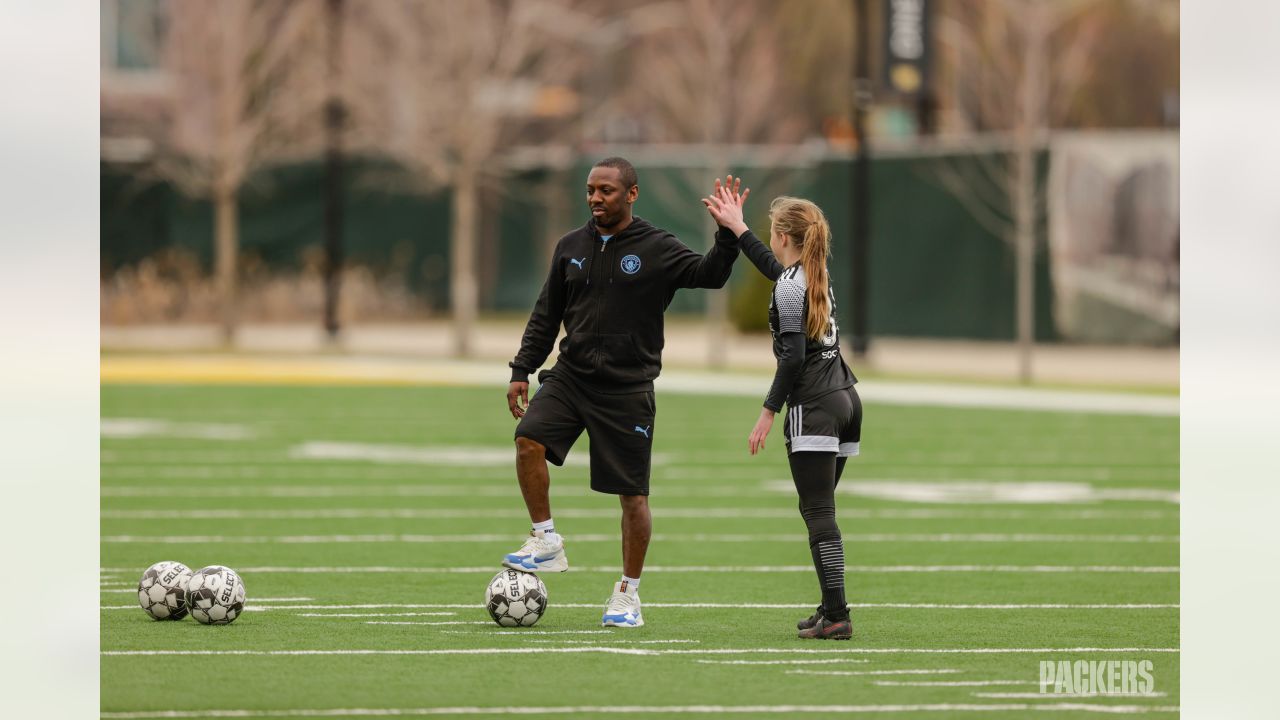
[(934, 270)]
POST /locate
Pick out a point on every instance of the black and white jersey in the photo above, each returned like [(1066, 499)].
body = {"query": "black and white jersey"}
[(823, 369)]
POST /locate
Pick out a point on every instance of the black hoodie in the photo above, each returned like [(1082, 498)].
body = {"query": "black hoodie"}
[(611, 297)]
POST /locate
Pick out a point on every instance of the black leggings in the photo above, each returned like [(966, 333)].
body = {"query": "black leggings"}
[(816, 475)]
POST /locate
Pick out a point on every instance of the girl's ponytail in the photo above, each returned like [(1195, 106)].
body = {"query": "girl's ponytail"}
[(813, 256), (806, 226)]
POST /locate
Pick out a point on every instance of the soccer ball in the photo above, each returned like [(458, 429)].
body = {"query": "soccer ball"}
[(215, 595), (515, 599), (162, 591)]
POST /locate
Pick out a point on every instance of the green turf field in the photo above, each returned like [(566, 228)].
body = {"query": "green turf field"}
[(366, 522)]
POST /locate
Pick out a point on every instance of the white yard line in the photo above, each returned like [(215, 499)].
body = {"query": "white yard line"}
[(940, 671), (305, 491), (951, 683), (130, 428), (1036, 695), (903, 490), (440, 622), (720, 606), (356, 606), (134, 591), (638, 651), (521, 632), (631, 642), (218, 490), (365, 615), (610, 514), (1016, 606), (986, 492), (613, 538), (607, 710), (699, 606), (343, 570), (781, 662), (277, 467), (419, 454)]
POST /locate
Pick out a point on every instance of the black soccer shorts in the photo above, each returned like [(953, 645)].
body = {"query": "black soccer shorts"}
[(620, 428), (831, 423)]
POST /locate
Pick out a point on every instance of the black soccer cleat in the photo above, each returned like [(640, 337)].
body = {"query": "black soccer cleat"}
[(810, 621), (825, 629)]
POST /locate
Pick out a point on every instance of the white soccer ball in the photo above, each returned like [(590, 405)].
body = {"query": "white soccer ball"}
[(162, 591), (215, 595), (515, 599)]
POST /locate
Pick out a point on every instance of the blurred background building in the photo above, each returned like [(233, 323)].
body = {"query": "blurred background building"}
[(993, 170)]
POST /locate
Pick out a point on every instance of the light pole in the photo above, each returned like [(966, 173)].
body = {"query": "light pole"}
[(333, 166), (861, 187)]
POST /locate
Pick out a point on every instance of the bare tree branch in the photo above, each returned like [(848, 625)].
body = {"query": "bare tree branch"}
[(455, 88), (982, 206), (244, 98)]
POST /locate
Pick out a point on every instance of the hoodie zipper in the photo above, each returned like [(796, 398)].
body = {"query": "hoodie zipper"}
[(604, 247), (591, 264)]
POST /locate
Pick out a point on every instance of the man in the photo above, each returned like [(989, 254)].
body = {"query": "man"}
[(611, 280)]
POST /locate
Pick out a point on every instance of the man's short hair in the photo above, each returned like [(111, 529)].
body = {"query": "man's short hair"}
[(624, 167)]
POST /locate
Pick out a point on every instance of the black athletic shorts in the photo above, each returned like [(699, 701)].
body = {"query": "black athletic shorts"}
[(620, 428), (830, 423)]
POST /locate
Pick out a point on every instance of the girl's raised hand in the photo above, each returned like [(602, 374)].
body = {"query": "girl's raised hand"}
[(725, 205)]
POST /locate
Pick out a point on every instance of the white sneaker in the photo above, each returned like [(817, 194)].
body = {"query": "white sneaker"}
[(623, 609), (543, 551)]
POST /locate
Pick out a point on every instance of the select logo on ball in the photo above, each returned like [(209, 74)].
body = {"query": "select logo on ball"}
[(515, 599), (162, 591), (215, 595)]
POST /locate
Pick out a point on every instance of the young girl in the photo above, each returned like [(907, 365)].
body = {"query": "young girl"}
[(824, 415)]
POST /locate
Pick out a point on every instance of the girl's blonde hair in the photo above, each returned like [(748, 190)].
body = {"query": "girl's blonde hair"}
[(806, 226)]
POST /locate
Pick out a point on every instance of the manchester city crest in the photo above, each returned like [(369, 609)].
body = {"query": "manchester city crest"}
[(631, 264)]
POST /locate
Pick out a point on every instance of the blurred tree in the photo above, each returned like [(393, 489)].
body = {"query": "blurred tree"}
[(245, 93), (1137, 43), (1013, 83), (453, 82), (713, 80), (716, 77), (334, 195), (818, 63)]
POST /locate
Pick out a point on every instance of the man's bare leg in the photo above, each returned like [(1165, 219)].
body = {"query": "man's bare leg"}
[(543, 551), (637, 526), (535, 481), (623, 609)]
